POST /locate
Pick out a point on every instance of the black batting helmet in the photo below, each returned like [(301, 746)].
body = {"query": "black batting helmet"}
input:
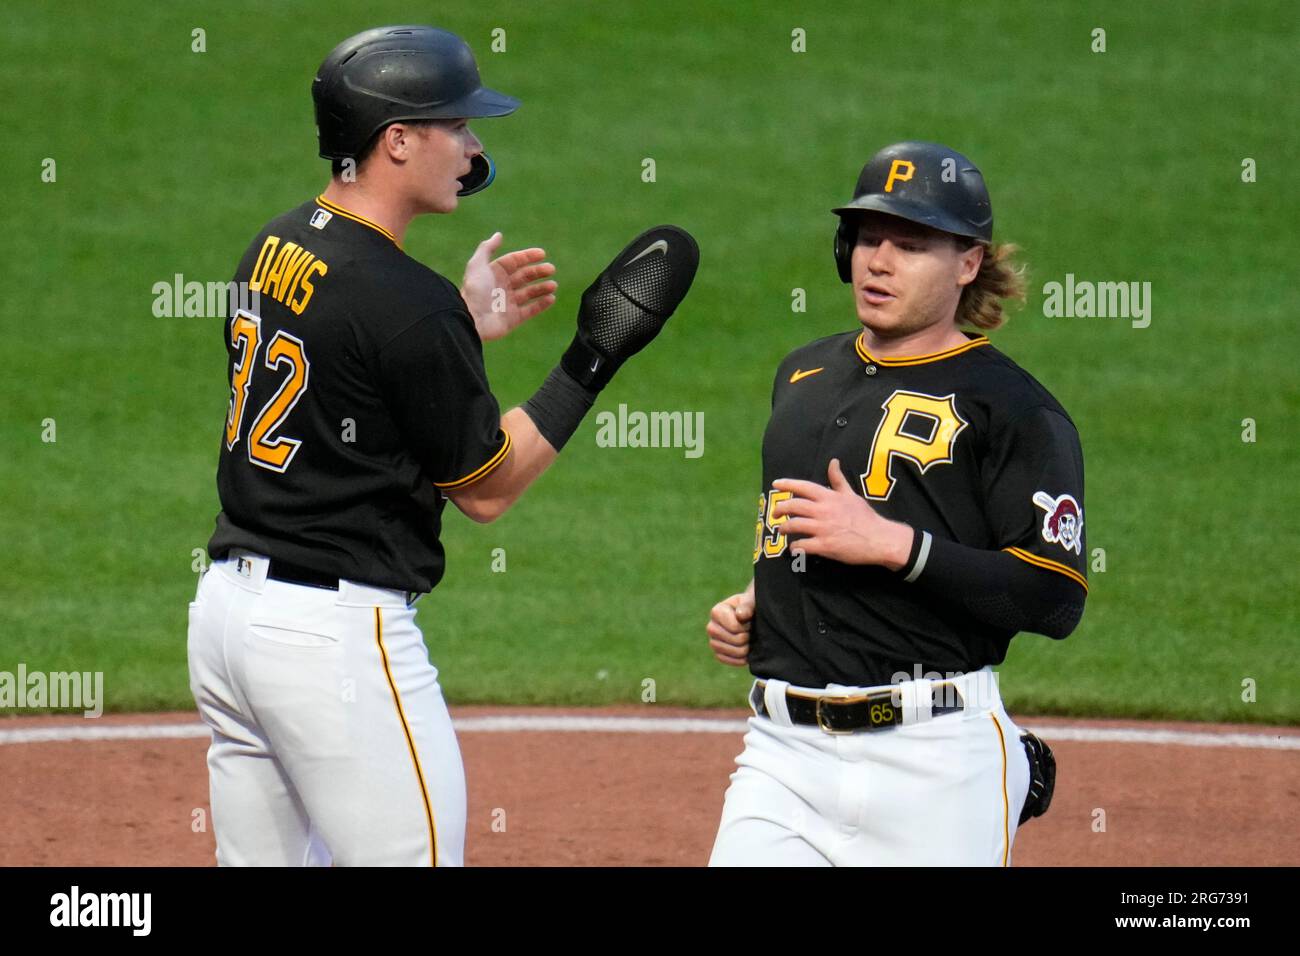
[(390, 74), (923, 183)]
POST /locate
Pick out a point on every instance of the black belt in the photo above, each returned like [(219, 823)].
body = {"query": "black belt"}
[(878, 710), (296, 574)]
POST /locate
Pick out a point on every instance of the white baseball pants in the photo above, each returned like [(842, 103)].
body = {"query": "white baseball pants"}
[(944, 790), (331, 741)]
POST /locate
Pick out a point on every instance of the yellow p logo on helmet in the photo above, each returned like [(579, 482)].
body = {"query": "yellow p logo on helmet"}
[(901, 170)]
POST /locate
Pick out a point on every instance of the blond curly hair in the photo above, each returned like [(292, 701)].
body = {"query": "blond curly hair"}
[(1000, 277)]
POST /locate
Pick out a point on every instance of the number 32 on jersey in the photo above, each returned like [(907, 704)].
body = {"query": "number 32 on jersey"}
[(265, 449)]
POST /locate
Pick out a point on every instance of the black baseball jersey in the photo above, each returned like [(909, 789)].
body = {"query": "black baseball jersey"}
[(963, 444), (358, 396)]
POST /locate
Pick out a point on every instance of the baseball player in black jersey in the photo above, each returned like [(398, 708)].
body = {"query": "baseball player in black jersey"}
[(359, 406), (922, 503)]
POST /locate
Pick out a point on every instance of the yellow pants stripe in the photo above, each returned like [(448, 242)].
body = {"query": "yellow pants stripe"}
[(1006, 804), (410, 741)]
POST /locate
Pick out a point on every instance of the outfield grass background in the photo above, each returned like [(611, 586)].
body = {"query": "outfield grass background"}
[(1123, 165)]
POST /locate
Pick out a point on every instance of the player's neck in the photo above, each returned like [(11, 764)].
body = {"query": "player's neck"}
[(382, 210), (926, 341)]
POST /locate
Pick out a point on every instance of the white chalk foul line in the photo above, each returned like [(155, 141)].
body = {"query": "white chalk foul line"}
[(571, 722), (568, 723), (90, 731), (701, 725), (1184, 738)]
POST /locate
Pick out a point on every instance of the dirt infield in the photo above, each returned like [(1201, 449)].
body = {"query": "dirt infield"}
[(592, 798)]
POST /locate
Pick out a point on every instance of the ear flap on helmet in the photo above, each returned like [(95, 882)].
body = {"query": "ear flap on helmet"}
[(846, 237), (482, 172)]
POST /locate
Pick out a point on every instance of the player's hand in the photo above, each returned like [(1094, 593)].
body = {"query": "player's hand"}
[(728, 628), (840, 524), (505, 292)]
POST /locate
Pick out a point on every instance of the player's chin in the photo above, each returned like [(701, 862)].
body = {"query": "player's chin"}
[(445, 204), (878, 318), (444, 201)]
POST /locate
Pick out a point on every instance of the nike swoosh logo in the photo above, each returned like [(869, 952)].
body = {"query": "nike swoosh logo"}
[(660, 246), (799, 373)]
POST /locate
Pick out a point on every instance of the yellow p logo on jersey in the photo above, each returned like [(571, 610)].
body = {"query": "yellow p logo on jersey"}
[(891, 441), (896, 172)]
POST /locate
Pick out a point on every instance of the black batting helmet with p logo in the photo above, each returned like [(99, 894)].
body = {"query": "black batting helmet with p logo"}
[(923, 183)]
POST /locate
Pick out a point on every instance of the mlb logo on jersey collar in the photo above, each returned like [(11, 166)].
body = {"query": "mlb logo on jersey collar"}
[(320, 217)]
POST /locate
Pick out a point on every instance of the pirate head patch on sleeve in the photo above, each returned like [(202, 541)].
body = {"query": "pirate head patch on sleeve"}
[(1034, 492), (1062, 521)]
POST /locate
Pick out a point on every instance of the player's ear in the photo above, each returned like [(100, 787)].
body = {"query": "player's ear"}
[(395, 142), (970, 259)]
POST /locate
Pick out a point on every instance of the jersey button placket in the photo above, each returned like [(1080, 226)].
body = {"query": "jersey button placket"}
[(870, 370)]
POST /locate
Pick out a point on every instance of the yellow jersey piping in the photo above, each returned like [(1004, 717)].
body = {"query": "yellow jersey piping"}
[(870, 359), (1049, 565), (340, 211), (482, 471)]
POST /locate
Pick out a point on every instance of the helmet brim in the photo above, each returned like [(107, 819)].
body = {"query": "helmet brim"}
[(479, 103), (915, 212)]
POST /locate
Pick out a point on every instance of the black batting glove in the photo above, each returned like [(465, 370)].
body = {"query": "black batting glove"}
[(1042, 776), (627, 305)]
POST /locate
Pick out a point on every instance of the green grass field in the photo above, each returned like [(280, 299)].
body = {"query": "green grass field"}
[(1122, 165)]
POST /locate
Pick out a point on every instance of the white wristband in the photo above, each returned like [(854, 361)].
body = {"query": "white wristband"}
[(921, 558)]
